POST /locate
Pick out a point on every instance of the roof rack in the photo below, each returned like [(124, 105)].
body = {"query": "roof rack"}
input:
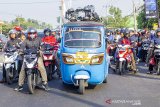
[(82, 14)]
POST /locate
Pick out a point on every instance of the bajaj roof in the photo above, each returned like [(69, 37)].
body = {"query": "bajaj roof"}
[(83, 23)]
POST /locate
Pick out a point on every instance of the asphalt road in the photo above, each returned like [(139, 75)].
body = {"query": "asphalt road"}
[(129, 90)]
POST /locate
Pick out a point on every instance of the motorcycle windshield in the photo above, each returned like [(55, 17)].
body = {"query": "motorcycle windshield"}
[(11, 49), (48, 47), (83, 38), (31, 51), (30, 58)]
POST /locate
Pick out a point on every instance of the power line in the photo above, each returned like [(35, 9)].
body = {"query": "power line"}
[(13, 3)]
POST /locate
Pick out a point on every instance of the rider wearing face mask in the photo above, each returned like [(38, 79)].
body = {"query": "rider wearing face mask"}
[(48, 38), (32, 41)]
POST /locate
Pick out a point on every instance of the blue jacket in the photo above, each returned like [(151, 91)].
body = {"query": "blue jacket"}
[(111, 38), (133, 38), (156, 41)]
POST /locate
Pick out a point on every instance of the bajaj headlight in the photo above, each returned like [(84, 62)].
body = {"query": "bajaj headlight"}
[(68, 59), (97, 59)]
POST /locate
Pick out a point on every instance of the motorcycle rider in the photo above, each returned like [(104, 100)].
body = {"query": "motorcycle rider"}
[(110, 37), (50, 39), (126, 41), (134, 42), (32, 41), (156, 41), (117, 36), (12, 42), (19, 31)]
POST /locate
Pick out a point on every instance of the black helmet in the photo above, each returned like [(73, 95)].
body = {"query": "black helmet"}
[(32, 32), (122, 30), (125, 32), (47, 32)]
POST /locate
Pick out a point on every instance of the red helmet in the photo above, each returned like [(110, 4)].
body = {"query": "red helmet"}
[(18, 28)]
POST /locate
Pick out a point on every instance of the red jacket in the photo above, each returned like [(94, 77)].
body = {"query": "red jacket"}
[(50, 40), (125, 41)]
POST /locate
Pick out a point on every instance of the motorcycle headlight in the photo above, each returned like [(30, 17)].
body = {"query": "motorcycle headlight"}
[(50, 57), (31, 65), (45, 57), (97, 59), (68, 59), (8, 59)]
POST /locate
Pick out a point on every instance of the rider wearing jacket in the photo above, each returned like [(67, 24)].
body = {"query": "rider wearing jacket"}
[(32, 41), (154, 42), (126, 41), (50, 39), (13, 42)]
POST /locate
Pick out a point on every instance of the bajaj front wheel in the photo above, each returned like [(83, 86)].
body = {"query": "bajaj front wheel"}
[(31, 83), (81, 86)]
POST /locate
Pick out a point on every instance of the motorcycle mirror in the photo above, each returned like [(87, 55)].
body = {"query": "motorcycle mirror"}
[(42, 43), (59, 40)]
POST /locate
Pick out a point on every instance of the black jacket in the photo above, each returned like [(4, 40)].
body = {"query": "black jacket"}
[(12, 43), (31, 43)]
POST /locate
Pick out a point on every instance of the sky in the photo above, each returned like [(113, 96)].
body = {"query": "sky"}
[(48, 10)]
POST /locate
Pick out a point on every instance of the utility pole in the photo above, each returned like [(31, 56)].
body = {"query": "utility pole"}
[(1, 29), (62, 11), (135, 16), (158, 14)]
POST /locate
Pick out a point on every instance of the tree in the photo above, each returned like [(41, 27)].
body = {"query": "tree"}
[(24, 23), (115, 19)]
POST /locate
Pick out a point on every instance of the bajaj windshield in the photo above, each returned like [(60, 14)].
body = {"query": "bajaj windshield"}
[(83, 38)]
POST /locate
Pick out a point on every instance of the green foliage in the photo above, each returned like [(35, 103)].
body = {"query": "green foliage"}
[(115, 20), (19, 21)]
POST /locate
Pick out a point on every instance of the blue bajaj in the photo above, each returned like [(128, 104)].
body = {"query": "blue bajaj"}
[(83, 57)]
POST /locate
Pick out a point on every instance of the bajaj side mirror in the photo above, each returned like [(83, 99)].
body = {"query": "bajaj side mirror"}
[(58, 53)]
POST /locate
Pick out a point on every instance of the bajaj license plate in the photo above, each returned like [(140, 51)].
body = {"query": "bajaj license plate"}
[(82, 58), (81, 55)]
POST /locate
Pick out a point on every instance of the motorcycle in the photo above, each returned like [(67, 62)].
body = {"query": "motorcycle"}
[(33, 75), (123, 61), (11, 64), (145, 47), (49, 60), (111, 50), (154, 62)]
